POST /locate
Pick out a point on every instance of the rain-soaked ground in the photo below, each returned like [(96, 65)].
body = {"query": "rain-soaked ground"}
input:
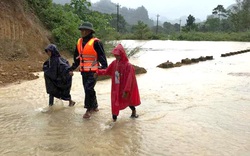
[(200, 109)]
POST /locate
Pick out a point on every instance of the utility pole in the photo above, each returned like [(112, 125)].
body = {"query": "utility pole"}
[(157, 23), (117, 26), (180, 25)]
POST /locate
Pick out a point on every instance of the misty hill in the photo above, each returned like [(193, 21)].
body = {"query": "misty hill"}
[(132, 16), (232, 7), (183, 19)]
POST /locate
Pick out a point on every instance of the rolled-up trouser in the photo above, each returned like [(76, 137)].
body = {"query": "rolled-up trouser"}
[(89, 83)]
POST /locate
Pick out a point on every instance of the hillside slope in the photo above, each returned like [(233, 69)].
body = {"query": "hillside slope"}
[(22, 41)]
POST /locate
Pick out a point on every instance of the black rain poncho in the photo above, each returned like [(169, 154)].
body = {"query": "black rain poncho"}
[(56, 74)]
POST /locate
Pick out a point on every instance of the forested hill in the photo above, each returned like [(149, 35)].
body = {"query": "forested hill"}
[(132, 16)]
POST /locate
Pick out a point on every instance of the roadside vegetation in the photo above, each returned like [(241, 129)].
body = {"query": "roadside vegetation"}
[(63, 22)]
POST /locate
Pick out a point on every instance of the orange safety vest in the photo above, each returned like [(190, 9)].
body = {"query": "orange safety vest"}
[(88, 56)]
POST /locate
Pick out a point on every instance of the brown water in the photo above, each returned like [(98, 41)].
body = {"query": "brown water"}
[(201, 109)]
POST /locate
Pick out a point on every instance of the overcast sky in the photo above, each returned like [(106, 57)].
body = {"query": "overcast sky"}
[(173, 9)]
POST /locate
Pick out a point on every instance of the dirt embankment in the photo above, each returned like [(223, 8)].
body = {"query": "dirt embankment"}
[(22, 40)]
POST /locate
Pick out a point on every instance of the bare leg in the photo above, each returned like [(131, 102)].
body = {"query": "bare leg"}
[(133, 115), (87, 115), (95, 109)]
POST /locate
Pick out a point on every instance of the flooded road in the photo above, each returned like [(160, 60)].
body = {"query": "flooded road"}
[(199, 109)]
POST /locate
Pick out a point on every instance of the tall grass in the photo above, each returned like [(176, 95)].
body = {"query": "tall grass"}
[(109, 46)]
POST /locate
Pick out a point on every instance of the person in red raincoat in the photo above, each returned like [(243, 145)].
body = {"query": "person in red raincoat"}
[(124, 90)]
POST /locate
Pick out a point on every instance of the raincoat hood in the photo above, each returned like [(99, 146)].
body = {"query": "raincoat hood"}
[(119, 50), (53, 49)]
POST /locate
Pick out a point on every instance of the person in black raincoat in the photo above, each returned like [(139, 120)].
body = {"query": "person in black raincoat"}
[(58, 81)]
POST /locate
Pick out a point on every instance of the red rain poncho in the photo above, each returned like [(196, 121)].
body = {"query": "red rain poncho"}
[(123, 80)]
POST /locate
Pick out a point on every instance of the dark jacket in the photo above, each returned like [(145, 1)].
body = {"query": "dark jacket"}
[(98, 46), (56, 73)]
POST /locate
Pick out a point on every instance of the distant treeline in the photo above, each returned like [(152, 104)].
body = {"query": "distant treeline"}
[(63, 22)]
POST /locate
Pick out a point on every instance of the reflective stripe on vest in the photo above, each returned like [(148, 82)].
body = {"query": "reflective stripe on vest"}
[(88, 56)]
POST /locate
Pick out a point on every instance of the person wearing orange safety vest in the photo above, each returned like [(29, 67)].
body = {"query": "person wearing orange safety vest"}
[(89, 55)]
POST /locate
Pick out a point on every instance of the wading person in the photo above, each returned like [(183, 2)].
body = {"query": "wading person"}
[(58, 81), (124, 90), (89, 54)]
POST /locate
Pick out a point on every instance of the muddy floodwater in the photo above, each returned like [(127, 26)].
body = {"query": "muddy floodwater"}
[(200, 109)]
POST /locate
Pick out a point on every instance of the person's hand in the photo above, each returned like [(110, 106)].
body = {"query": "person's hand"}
[(125, 95), (71, 73)]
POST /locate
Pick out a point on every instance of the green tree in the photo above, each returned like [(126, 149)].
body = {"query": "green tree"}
[(190, 21), (141, 30), (122, 23), (220, 11), (240, 15), (159, 29), (190, 25), (226, 25), (222, 14), (63, 25), (99, 20), (39, 6), (177, 27), (80, 7), (170, 28), (212, 24), (101, 24), (63, 20), (60, 20)]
